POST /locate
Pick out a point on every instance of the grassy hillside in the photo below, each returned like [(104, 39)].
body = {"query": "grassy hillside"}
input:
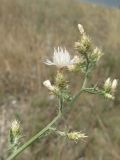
[(29, 30)]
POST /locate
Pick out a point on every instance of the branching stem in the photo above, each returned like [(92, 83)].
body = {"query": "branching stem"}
[(36, 136)]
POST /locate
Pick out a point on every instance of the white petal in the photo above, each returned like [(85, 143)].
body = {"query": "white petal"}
[(48, 62), (61, 58)]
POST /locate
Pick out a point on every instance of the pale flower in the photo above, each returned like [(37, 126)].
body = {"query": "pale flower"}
[(97, 53), (47, 84), (61, 58), (107, 84), (114, 85), (81, 29)]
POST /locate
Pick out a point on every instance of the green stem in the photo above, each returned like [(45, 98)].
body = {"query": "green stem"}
[(93, 91), (76, 97), (58, 132), (81, 90), (34, 138), (60, 105), (84, 89), (84, 83)]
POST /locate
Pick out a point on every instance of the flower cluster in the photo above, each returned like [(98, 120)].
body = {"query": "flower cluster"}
[(90, 55), (86, 61)]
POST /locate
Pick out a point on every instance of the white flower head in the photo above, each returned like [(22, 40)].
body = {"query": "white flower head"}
[(61, 58), (47, 84)]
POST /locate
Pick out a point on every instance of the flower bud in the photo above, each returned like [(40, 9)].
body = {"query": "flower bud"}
[(72, 67), (107, 85), (77, 45), (86, 40), (60, 80), (47, 84), (85, 44), (15, 128), (81, 29), (109, 96), (96, 55), (76, 59), (114, 85), (76, 135)]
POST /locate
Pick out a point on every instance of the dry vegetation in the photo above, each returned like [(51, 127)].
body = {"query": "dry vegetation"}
[(29, 30)]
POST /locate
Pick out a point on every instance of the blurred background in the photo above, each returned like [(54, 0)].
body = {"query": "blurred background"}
[(29, 30)]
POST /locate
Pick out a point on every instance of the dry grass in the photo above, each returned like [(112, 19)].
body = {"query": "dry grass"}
[(29, 30)]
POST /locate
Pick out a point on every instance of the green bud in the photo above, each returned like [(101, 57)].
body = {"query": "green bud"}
[(15, 128)]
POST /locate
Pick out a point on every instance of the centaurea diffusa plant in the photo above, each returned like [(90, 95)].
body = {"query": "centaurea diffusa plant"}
[(89, 55)]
